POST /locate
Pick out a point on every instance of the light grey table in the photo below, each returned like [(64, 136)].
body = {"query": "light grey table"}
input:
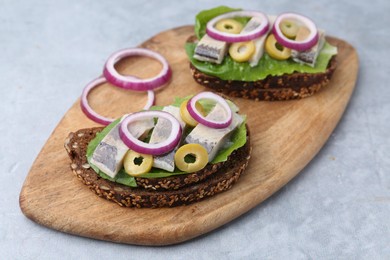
[(339, 205)]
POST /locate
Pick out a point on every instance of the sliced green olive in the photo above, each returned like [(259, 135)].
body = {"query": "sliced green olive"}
[(229, 26), (242, 51), (289, 28), (136, 164), (275, 50), (191, 157)]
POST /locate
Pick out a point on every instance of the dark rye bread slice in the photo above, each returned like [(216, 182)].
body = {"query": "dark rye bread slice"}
[(272, 88), (168, 183), (215, 182)]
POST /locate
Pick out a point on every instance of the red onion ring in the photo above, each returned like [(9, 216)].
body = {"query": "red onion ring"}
[(203, 120), (242, 37), (311, 40), (91, 114), (147, 148), (133, 83)]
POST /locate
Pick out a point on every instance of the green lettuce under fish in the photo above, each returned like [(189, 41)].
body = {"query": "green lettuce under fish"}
[(232, 70), (237, 140)]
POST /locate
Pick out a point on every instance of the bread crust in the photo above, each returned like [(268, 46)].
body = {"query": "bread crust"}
[(272, 88), (200, 185)]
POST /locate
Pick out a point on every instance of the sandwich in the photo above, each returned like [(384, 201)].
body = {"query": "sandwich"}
[(165, 156), (256, 56)]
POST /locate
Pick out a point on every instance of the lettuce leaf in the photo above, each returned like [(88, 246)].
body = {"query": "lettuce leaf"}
[(238, 140), (231, 70)]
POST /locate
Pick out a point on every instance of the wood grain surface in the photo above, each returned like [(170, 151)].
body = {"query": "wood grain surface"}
[(285, 135)]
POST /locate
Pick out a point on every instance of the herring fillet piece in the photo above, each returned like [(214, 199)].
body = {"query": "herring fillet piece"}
[(252, 24), (209, 49), (108, 155), (161, 132), (210, 138), (309, 57)]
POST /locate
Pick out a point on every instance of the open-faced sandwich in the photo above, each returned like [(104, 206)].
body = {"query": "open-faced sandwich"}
[(164, 156), (252, 55)]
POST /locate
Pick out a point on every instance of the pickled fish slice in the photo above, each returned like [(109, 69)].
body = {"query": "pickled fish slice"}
[(210, 138), (253, 23), (108, 155), (209, 49), (161, 132), (308, 57)]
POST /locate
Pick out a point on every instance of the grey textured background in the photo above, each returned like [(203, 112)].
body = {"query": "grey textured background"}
[(338, 207)]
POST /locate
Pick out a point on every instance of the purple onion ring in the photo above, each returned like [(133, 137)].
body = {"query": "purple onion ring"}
[(134, 83), (191, 107), (148, 148), (242, 37), (309, 42), (91, 114)]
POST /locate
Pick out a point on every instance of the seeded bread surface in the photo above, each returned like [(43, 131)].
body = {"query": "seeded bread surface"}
[(199, 185)]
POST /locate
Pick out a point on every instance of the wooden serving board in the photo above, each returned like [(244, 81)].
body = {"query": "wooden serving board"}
[(285, 137)]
